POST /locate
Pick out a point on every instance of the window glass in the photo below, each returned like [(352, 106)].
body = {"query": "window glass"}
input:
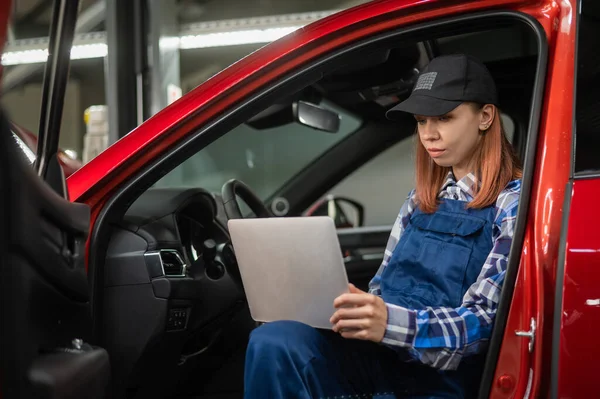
[(382, 184), (264, 159)]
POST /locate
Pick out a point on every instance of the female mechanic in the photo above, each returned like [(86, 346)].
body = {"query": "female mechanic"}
[(422, 329)]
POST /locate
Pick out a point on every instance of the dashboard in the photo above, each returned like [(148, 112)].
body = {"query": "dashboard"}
[(171, 285)]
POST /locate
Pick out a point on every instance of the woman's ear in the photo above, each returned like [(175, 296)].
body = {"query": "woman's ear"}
[(487, 114)]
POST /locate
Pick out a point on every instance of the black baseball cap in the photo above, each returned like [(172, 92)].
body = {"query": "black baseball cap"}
[(447, 82)]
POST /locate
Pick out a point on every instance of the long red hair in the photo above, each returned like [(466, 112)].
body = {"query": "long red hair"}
[(496, 165)]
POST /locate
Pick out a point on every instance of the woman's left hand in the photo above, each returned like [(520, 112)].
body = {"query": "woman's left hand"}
[(360, 315)]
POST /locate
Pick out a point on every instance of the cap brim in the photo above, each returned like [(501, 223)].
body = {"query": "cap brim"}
[(422, 105)]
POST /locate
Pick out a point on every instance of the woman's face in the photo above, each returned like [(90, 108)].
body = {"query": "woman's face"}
[(451, 139)]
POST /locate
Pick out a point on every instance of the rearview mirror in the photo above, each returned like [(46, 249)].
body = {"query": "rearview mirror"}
[(305, 113), (345, 212), (317, 117)]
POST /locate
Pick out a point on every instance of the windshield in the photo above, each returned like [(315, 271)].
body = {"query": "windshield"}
[(264, 159)]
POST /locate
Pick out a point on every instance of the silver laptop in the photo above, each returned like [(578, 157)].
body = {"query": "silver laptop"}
[(291, 268)]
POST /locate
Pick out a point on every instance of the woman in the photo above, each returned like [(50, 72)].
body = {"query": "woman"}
[(422, 329)]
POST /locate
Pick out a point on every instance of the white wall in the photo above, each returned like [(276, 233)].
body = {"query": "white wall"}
[(382, 184)]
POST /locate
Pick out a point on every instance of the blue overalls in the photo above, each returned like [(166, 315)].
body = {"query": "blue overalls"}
[(438, 257)]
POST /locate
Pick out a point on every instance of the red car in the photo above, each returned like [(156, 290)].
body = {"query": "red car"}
[(134, 282)]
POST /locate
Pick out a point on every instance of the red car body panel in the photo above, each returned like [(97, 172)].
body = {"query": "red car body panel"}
[(535, 289), (579, 351), (519, 373)]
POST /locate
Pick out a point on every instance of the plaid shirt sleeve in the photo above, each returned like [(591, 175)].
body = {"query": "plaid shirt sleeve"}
[(441, 337)]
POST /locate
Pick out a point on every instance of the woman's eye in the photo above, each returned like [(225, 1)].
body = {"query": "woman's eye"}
[(444, 118), (421, 121)]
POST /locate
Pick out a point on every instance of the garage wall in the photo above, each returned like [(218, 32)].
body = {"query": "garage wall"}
[(23, 106)]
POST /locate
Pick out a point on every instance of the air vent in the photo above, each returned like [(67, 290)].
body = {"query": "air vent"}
[(173, 265), (166, 262)]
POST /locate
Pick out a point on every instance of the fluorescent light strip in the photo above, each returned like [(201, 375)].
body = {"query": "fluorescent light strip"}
[(99, 50), (78, 52), (84, 51)]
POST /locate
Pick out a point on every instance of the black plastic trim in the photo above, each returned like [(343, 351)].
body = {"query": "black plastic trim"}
[(516, 248), (298, 80), (154, 264), (56, 75), (572, 169), (70, 373), (558, 299), (587, 175)]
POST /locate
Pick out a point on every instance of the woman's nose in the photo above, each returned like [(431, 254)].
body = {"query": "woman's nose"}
[(429, 131)]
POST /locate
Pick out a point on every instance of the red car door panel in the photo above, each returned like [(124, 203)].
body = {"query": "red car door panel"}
[(580, 310)]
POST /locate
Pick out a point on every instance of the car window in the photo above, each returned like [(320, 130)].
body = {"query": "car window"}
[(382, 184), (264, 159)]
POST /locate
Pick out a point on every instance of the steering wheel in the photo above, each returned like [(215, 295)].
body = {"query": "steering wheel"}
[(235, 188)]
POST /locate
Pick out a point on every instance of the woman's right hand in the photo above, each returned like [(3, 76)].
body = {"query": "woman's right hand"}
[(360, 315)]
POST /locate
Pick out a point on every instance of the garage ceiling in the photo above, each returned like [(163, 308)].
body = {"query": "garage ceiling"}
[(31, 18)]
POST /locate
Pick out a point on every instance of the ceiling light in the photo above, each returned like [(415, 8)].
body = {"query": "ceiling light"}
[(78, 52), (99, 49), (24, 57), (85, 51)]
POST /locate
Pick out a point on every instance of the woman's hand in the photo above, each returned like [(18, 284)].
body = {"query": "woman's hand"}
[(360, 315)]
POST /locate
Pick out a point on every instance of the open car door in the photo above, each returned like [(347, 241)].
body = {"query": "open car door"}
[(45, 322)]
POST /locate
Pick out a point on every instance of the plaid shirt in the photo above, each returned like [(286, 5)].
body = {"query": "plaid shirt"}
[(441, 337)]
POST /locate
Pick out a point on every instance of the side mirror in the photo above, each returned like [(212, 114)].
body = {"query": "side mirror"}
[(314, 116), (345, 212)]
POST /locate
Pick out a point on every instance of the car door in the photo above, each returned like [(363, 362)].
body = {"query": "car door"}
[(45, 324)]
